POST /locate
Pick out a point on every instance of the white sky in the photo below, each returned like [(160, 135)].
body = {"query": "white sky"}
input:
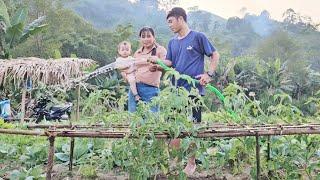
[(229, 8)]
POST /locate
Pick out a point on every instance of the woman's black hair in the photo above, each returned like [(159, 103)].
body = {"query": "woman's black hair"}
[(146, 29)]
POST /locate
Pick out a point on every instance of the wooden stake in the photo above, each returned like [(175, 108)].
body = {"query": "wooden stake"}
[(258, 156), (71, 154), (78, 104), (72, 141), (269, 153), (23, 104), (50, 157)]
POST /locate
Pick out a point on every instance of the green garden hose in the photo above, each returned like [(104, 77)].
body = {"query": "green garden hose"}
[(208, 86)]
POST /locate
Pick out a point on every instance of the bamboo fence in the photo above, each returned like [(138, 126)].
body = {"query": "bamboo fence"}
[(121, 131)]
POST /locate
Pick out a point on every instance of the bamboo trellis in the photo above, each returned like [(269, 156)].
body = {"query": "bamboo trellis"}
[(121, 131)]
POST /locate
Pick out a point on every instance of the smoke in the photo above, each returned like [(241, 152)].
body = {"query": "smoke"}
[(262, 24), (243, 11)]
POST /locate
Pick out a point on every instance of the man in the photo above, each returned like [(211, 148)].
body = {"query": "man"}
[(186, 53)]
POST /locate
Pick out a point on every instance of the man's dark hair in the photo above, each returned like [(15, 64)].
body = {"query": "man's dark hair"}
[(177, 12)]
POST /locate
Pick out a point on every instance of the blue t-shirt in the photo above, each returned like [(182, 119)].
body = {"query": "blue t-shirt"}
[(187, 56)]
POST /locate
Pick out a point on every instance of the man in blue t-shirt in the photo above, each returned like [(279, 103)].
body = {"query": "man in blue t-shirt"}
[(186, 53)]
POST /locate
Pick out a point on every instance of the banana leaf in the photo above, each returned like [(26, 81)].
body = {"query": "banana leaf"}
[(13, 33), (20, 17), (18, 21), (4, 16), (33, 28)]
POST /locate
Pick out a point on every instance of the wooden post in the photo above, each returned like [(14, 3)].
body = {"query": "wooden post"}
[(23, 103), (258, 156), (71, 154), (50, 157), (72, 141), (71, 150), (78, 104), (269, 153)]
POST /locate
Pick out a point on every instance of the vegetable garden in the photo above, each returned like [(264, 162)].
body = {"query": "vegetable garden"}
[(263, 125)]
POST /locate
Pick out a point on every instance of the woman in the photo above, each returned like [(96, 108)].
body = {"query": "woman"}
[(147, 75)]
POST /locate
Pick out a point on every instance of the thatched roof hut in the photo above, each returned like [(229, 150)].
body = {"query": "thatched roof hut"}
[(49, 72)]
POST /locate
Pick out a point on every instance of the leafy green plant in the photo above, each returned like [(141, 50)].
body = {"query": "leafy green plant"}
[(32, 173), (6, 125), (8, 151), (284, 108), (16, 30), (294, 157), (88, 171), (33, 155), (314, 104), (235, 153)]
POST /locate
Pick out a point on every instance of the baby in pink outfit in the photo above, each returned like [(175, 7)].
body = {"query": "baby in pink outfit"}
[(125, 63)]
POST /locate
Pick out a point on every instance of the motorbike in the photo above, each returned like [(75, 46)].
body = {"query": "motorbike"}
[(58, 112)]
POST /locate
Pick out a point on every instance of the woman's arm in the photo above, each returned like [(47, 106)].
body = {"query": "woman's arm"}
[(161, 55)]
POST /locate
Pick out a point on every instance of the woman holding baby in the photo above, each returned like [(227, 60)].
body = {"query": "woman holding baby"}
[(147, 75)]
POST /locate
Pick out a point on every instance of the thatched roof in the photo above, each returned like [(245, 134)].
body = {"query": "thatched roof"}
[(49, 72)]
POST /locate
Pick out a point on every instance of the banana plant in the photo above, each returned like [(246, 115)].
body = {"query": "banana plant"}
[(15, 30)]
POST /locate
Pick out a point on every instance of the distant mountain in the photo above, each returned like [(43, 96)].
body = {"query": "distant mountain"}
[(109, 14), (241, 34), (206, 21)]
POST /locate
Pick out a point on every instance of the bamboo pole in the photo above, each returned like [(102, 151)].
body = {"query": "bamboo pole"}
[(234, 128), (208, 128), (205, 134), (23, 132), (61, 126), (260, 133)]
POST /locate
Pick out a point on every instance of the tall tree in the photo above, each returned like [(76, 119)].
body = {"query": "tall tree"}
[(298, 23), (16, 30), (167, 4), (278, 45)]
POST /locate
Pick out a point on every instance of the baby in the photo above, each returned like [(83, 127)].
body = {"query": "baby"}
[(126, 65)]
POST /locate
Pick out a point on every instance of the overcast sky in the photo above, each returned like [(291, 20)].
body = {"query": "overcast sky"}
[(229, 8)]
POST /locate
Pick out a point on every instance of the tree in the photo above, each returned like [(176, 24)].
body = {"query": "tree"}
[(62, 25), (206, 20), (278, 45), (297, 23), (16, 31), (236, 24), (167, 4)]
